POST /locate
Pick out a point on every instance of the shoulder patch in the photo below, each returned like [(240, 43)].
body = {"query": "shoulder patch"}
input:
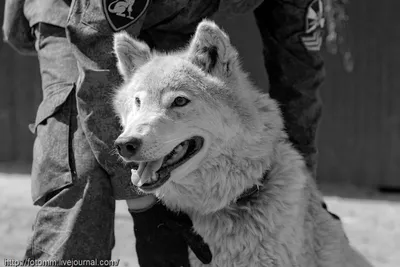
[(314, 23), (121, 14)]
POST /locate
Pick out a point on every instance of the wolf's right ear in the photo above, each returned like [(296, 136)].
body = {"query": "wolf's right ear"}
[(211, 49), (131, 53)]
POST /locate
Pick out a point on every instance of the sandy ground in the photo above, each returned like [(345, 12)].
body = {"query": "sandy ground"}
[(371, 220)]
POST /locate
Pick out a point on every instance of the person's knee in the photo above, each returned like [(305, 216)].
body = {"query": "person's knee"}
[(141, 203)]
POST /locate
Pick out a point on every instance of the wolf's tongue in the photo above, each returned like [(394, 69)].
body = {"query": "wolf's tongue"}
[(145, 172)]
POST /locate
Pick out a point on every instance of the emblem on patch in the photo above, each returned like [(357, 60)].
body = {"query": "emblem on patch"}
[(121, 14), (315, 22)]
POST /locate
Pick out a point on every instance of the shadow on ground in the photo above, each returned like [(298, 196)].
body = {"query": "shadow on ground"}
[(360, 192)]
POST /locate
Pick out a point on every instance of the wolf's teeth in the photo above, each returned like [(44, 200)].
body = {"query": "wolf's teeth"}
[(176, 154), (178, 148), (174, 157), (154, 177)]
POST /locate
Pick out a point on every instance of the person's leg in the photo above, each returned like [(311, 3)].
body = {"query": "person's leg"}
[(76, 219), (291, 33)]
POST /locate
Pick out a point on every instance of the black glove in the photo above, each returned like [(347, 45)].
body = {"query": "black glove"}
[(163, 237)]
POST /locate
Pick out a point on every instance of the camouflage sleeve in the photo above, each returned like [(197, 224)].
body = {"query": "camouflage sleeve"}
[(16, 29), (291, 32)]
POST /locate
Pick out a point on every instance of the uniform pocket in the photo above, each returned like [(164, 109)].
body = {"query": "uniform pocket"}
[(50, 230), (51, 167), (56, 96)]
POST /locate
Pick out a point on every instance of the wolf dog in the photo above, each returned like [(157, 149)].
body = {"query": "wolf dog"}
[(209, 143)]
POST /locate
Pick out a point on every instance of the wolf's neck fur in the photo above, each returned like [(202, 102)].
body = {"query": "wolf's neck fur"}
[(237, 166)]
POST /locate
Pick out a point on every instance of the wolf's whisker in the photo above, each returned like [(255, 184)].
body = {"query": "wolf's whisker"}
[(169, 141)]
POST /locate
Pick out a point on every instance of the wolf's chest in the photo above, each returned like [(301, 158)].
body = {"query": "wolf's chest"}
[(238, 241)]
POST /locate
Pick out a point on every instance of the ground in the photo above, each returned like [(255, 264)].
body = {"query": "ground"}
[(371, 220)]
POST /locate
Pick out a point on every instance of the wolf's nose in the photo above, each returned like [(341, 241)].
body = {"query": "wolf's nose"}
[(128, 147)]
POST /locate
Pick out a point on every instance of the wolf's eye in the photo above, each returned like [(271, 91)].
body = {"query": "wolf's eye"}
[(137, 101), (180, 101)]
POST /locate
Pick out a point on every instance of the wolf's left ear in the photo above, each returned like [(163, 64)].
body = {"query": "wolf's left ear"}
[(211, 49), (131, 53)]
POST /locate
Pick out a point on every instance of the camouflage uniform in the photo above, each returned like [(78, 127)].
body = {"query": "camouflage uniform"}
[(291, 32), (75, 175)]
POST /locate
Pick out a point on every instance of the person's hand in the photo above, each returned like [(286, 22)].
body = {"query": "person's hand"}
[(163, 237)]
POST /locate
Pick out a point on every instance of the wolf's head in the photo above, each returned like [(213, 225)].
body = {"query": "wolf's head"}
[(191, 119)]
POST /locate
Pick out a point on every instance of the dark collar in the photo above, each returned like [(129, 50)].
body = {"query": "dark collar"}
[(250, 192)]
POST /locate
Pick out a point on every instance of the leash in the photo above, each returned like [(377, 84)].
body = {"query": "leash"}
[(250, 192)]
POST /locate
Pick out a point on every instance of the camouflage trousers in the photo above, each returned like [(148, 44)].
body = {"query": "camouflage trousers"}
[(295, 70), (76, 219)]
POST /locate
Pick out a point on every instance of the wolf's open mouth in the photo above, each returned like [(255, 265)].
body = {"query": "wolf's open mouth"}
[(154, 174)]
